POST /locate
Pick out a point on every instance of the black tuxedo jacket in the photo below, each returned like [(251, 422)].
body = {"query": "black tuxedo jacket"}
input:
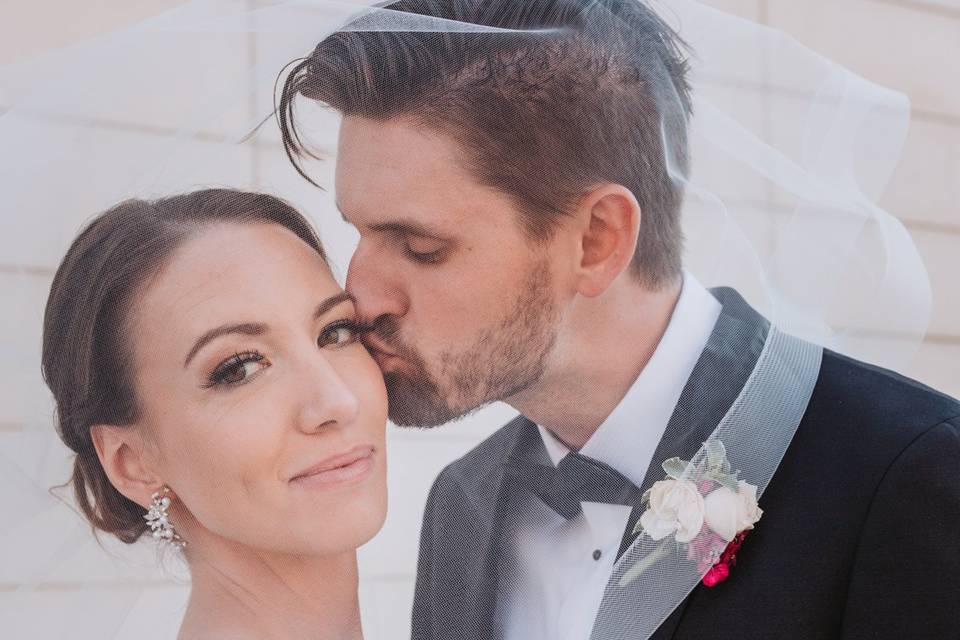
[(860, 536)]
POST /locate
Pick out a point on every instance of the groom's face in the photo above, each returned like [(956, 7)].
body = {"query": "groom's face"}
[(463, 304)]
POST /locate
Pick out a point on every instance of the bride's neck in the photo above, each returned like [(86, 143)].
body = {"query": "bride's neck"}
[(240, 592)]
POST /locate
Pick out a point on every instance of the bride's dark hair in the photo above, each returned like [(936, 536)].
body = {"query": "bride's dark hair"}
[(86, 351)]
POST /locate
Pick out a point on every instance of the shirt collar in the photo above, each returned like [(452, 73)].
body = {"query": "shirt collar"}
[(627, 439)]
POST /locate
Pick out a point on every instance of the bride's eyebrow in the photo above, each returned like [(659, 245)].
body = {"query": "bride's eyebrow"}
[(332, 302), (244, 328), (258, 328)]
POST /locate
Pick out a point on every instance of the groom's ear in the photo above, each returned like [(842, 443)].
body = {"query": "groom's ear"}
[(125, 459), (609, 223)]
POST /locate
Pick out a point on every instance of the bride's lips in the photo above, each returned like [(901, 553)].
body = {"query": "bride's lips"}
[(350, 466)]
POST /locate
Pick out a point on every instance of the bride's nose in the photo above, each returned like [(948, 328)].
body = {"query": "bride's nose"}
[(326, 399)]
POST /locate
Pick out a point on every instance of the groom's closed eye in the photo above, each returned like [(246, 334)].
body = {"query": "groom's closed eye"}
[(421, 248), (425, 250), (419, 243)]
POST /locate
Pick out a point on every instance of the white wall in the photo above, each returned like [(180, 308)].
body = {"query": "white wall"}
[(912, 46), (909, 45)]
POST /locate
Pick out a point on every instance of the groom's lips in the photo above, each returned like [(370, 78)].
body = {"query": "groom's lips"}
[(376, 349)]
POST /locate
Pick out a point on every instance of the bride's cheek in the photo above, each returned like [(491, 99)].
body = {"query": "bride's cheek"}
[(375, 393)]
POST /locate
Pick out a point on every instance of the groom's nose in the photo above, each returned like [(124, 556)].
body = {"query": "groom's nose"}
[(377, 288)]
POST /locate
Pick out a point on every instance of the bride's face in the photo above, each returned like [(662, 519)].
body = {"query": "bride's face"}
[(265, 414)]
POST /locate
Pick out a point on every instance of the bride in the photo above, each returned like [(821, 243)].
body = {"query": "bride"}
[(207, 373)]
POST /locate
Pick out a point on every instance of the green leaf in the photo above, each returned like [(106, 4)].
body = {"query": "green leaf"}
[(716, 453), (727, 480), (645, 563), (645, 498), (637, 528), (674, 467)]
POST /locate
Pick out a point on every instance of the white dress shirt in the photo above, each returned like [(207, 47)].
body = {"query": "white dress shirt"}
[(553, 586)]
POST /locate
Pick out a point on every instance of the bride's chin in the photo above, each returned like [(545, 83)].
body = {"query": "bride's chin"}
[(310, 540), (304, 527), (338, 533), (344, 533), (343, 510)]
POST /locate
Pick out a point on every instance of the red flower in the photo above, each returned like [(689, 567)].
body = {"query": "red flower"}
[(728, 558), (705, 549), (717, 574)]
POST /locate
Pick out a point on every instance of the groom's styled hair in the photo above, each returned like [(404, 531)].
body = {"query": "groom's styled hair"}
[(599, 94)]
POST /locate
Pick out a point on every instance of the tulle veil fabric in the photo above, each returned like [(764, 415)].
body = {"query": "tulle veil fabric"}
[(789, 155)]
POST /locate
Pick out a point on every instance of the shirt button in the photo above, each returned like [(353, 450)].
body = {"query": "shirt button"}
[(596, 554)]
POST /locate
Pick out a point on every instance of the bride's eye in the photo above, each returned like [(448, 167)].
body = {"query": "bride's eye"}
[(340, 333), (236, 370)]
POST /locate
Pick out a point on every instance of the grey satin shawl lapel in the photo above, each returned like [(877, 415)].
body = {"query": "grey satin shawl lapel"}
[(481, 552), (729, 357), (718, 376)]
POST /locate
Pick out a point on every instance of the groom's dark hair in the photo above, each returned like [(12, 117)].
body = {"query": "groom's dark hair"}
[(593, 97)]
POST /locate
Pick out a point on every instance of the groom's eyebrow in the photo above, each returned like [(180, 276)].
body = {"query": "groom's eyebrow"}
[(258, 328), (400, 227), (406, 228)]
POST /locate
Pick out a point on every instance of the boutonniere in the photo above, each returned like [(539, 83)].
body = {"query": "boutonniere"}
[(706, 509)]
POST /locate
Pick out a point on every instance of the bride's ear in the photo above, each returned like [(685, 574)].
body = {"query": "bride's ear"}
[(125, 459)]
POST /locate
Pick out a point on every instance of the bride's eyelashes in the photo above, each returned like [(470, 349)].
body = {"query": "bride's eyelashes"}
[(235, 370), (340, 333), (242, 367)]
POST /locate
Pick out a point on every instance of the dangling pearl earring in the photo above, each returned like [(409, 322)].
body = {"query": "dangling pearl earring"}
[(159, 520)]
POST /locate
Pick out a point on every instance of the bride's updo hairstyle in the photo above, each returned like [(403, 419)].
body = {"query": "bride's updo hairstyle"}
[(86, 348)]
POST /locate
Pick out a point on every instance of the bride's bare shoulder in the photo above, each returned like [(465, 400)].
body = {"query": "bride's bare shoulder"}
[(215, 626), (217, 633)]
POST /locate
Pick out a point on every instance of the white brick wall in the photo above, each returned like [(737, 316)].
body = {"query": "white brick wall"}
[(32, 27), (905, 44), (895, 43)]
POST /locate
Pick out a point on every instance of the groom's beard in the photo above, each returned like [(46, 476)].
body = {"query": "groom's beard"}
[(498, 363)]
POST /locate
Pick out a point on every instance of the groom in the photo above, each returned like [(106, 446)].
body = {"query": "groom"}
[(520, 241)]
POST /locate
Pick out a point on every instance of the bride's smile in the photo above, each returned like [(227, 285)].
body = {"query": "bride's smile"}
[(354, 465)]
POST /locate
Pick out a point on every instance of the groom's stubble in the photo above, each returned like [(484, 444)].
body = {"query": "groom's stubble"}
[(493, 363)]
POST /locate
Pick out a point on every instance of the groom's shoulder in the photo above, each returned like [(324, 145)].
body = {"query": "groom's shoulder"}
[(486, 457), (876, 407)]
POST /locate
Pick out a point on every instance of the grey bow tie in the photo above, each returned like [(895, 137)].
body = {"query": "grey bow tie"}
[(576, 479)]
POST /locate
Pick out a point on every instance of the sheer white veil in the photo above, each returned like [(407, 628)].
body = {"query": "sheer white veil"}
[(789, 154)]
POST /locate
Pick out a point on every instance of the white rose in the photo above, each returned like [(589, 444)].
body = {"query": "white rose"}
[(729, 513), (675, 506)]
